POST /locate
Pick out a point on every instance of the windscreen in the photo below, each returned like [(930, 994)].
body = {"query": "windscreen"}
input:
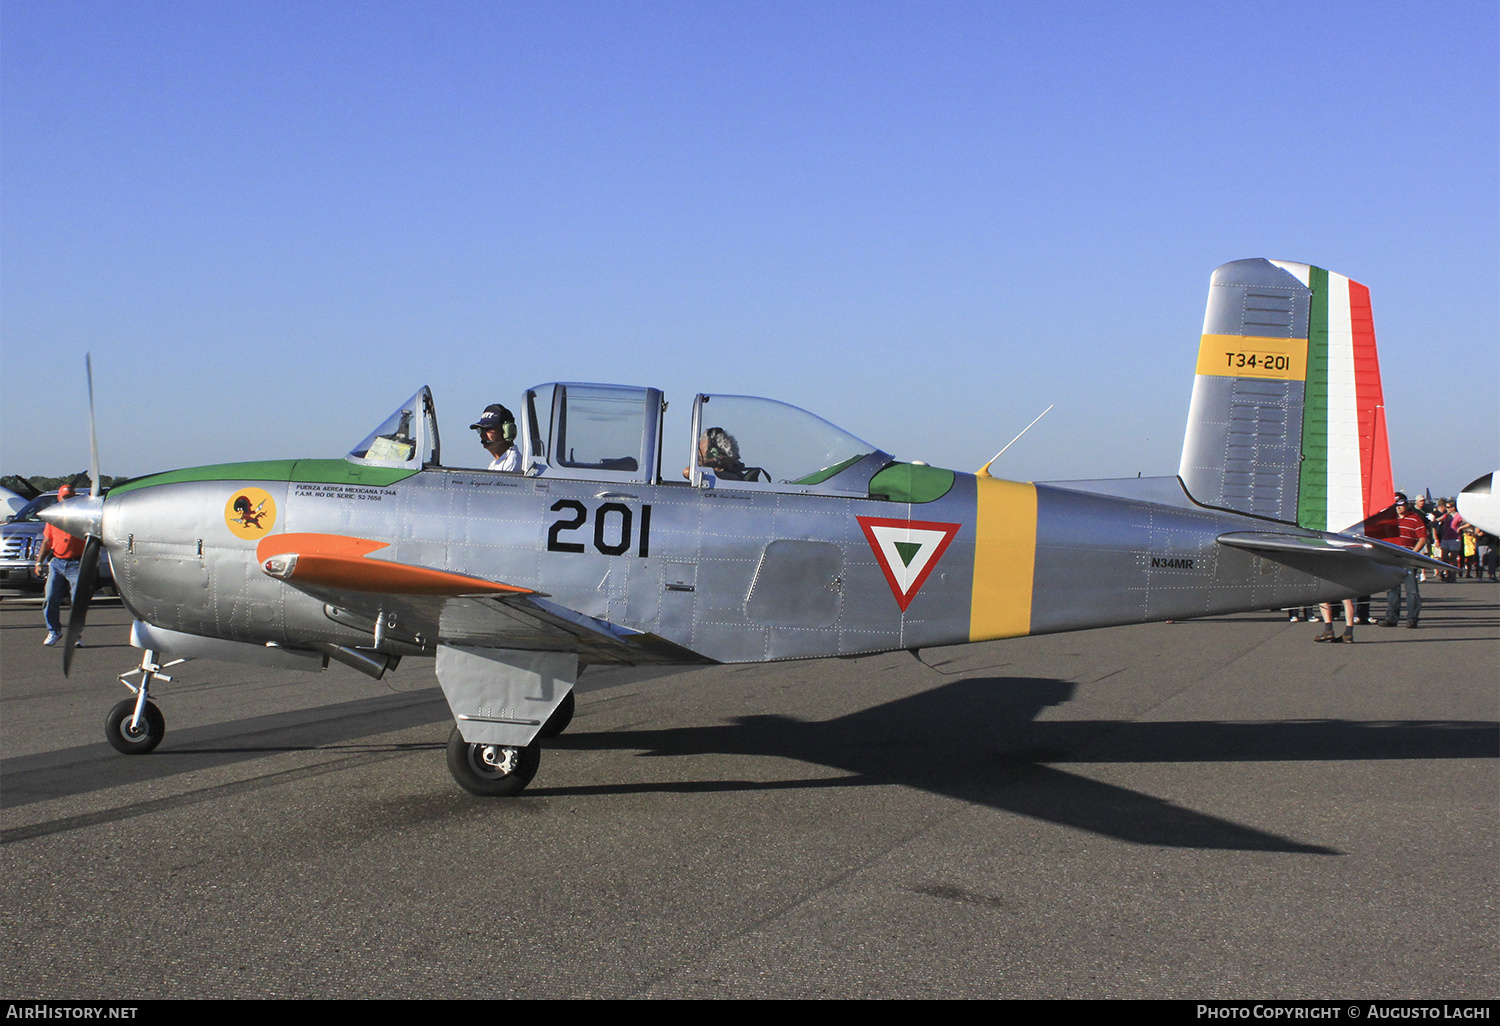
[(407, 438)]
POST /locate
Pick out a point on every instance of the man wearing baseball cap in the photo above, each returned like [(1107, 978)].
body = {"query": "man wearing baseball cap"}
[(497, 433), (1413, 536), (62, 574)]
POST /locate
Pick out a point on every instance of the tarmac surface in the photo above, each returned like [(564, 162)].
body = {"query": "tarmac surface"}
[(1208, 809)]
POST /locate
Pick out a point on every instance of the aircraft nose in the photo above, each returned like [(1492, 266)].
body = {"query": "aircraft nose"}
[(81, 516)]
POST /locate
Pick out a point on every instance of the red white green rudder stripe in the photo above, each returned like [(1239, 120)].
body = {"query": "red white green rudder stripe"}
[(1346, 461)]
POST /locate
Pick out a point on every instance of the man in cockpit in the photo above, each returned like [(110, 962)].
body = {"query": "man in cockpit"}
[(719, 452), (497, 433)]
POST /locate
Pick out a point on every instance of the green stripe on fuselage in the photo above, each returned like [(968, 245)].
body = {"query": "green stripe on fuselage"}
[(310, 471)]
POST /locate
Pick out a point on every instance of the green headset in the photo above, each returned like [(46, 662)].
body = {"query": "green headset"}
[(507, 421)]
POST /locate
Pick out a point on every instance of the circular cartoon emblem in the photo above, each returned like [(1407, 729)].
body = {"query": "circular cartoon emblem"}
[(250, 513)]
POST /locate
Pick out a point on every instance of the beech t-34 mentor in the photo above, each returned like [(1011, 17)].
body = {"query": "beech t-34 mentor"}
[(788, 539)]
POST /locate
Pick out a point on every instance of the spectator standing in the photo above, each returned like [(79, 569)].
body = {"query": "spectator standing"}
[(1413, 536), (61, 573), (1450, 541)]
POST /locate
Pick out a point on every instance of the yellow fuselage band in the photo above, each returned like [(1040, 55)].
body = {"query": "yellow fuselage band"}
[(1004, 559)]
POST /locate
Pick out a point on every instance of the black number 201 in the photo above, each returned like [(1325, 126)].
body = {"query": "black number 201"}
[(613, 523)]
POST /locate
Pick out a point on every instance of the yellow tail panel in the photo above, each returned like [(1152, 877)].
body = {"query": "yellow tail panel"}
[(1253, 356)]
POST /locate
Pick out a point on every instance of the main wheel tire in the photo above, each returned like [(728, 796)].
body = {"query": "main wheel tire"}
[(139, 740), (560, 718), (478, 775)]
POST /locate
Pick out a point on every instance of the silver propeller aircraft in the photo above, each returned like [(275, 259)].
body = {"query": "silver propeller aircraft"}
[(788, 538), (1478, 504)]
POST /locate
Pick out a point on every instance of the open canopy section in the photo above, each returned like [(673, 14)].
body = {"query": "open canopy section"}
[(593, 432), (744, 440), (407, 438)]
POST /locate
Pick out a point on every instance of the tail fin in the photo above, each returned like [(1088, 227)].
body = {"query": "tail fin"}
[(1288, 417)]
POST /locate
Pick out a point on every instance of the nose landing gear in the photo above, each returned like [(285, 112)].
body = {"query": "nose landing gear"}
[(136, 726)]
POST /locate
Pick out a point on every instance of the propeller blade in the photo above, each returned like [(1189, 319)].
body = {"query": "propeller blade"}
[(88, 367), (88, 576)]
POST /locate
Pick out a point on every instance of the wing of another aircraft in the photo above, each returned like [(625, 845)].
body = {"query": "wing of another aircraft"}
[(427, 607)]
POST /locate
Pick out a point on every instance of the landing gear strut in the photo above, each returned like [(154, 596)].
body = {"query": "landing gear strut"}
[(136, 726), (492, 771)]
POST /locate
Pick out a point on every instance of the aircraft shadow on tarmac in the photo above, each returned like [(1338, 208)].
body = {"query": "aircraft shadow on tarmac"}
[(977, 740)]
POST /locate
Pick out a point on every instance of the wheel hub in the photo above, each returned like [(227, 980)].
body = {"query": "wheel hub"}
[(500, 758)]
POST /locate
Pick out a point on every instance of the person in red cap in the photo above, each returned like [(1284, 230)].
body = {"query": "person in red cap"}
[(62, 572)]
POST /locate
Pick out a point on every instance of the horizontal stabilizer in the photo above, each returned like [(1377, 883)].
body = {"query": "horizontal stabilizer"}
[(1335, 546)]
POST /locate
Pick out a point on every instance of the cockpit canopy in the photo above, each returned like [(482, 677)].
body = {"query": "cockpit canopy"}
[(613, 433), (743, 440), (593, 432)]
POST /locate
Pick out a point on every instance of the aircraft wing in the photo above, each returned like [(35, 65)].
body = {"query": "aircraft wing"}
[(1331, 547), (421, 605)]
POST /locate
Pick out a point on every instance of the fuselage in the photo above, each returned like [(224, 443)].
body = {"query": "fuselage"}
[(732, 575)]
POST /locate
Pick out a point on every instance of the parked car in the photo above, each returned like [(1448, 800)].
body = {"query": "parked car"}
[(21, 540)]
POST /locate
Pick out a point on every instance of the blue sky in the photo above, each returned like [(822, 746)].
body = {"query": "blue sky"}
[(271, 223)]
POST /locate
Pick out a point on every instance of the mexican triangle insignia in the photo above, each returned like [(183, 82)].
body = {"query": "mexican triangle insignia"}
[(907, 550)]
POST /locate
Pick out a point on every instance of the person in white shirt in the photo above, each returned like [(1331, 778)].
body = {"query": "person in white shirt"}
[(497, 433)]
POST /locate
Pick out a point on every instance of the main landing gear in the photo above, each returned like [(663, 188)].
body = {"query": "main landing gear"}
[(500, 771), (136, 726), (560, 718), (492, 771)]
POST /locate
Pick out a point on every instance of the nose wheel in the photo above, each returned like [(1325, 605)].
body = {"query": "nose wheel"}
[(135, 734), (492, 771)]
